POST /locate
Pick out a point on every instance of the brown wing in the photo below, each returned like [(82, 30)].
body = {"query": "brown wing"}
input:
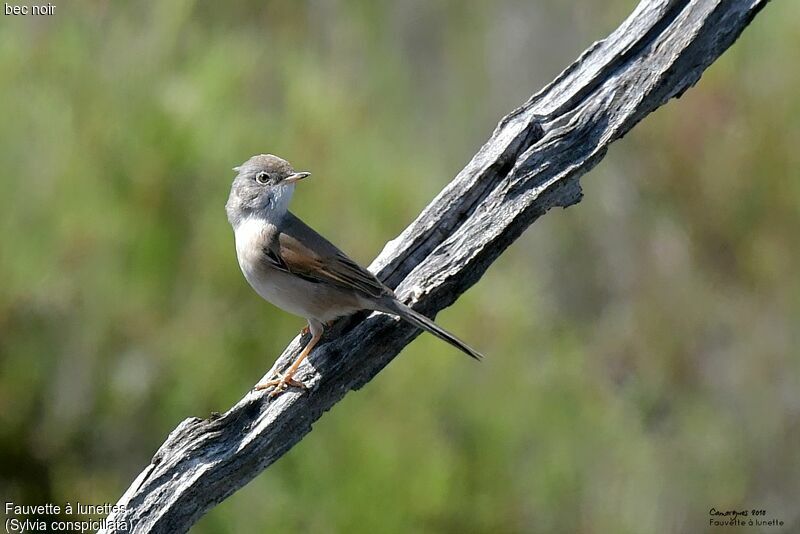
[(301, 251)]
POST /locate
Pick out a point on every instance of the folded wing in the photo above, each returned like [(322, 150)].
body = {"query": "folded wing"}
[(300, 250)]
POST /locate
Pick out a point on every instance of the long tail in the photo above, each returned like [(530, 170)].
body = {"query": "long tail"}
[(420, 321)]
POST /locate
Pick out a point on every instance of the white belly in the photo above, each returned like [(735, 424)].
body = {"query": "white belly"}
[(286, 291)]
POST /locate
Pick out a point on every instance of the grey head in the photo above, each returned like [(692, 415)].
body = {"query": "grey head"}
[(263, 187)]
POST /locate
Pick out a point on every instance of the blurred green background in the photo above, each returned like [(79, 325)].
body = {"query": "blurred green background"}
[(642, 347)]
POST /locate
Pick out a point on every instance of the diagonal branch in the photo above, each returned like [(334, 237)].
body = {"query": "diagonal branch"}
[(531, 163)]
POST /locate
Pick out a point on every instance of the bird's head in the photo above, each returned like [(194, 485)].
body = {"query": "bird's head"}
[(264, 185)]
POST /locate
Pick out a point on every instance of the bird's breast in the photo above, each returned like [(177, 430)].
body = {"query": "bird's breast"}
[(286, 291), (251, 235)]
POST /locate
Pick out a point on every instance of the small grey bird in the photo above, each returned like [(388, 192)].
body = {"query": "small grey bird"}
[(298, 270)]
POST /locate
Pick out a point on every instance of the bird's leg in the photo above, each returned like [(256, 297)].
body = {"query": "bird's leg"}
[(287, 380), (305, 330)]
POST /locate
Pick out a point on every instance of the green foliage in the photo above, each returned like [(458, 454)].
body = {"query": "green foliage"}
[(642, 362)]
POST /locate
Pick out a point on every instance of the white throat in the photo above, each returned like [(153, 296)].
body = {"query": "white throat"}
[(279, 200), (274, 208)]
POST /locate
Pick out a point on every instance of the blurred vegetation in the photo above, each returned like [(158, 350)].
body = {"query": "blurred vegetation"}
[(642, 348)]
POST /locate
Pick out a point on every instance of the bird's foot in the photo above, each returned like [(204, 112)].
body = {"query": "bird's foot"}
[(280, 384)]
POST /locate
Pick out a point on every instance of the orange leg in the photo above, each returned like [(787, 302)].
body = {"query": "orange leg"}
[(305, 330), (287, 380)]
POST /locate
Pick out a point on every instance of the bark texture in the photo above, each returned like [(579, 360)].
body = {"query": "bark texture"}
[(531, 163)]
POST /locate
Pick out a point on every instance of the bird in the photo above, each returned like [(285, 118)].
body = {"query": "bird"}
[(293, 267)]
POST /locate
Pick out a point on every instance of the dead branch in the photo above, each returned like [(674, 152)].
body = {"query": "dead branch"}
[(531, 163)]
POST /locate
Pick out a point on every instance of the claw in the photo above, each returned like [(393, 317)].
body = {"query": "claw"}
[(285, 380), (280, 385)]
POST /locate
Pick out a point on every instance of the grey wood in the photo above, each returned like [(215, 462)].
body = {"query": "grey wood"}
[(531, 163)]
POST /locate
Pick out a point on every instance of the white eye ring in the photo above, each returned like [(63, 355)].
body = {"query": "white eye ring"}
[(262, 177)]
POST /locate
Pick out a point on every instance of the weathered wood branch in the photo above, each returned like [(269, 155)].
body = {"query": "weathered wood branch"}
[(531, 163)]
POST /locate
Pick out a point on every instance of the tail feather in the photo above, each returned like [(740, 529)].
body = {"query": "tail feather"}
[(420, 321)]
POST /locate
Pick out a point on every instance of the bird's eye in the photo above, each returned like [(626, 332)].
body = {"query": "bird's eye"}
[(262, 177)]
